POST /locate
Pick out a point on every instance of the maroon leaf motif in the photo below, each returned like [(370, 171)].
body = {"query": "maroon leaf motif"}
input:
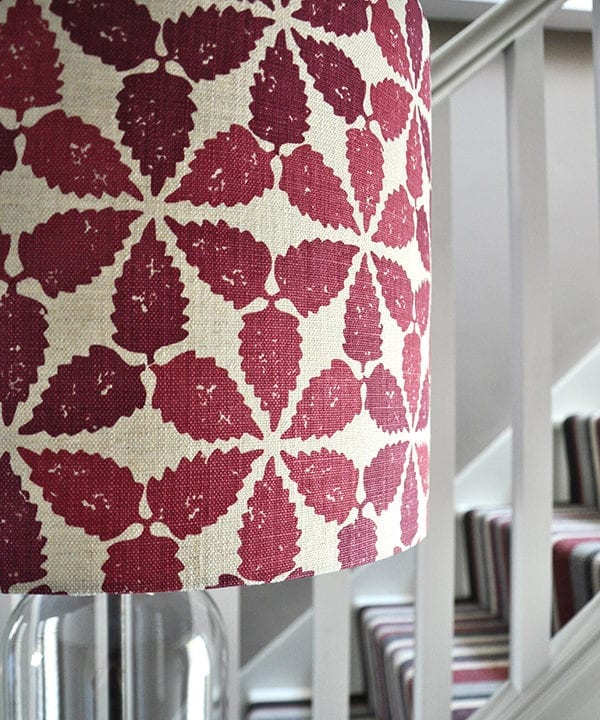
[(268, 538), (4, 250), (278, 106), (89, 393), (346, 17), (315, 190), (299, 573), (29, 67), (357, 543), (145, 564), (313, 273), (231, 261), (93, 237), (336, 77), (425, 89), (230, 169), (414, 161), (8, 151), (148, 300), (409, 522), (210, 43), (391, 107), (120, 32), (423, 421), (396, 227), (200, 399), (22, 328), (88, 491), (389, 37), (423, 464), (271, 354), (422, 304), (328, 481), (426, 136), (365, 163), (414, 33), (78, 159), (383, 476), (423, 238), (227, 580), (411, 370), (155, 115), (199, 491), (362, 321), (21, 541), (328, 404), (397, 290), (385, 402)]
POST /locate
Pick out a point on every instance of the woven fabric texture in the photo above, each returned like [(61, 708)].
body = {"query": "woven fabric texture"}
[(214, 290)]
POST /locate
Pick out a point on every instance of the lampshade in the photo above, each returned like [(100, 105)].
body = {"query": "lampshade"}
[(214, 290)]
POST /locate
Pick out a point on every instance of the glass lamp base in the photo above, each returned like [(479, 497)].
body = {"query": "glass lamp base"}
[(159, 656)]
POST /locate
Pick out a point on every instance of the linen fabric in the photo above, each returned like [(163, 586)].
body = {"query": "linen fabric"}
[(214, 290)]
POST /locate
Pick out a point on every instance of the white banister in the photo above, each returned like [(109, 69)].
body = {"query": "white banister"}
[(468, 51), (531, 568), (332, 601), (435, 559), (228, 600)]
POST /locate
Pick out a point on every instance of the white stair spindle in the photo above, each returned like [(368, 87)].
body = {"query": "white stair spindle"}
[(531, 568), (228, 600), (435, 559), (331, 646)]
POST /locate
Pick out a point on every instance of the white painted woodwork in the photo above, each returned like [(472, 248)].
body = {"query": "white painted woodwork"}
[(531, 569), (228, 602)]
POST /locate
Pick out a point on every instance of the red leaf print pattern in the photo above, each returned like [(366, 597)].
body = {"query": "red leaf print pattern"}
[(423, 421), (391, 107), (397, 226), (88, 491), (426, 137), (93, 237), (230, 169), (145, 564), (346, 17), (227, 580), (328, 404), (72, 155), (328, 481), (208, 43), (423, 464), (120, 32), (278, 106), (357, 543), (199, 491), (423, 238), (21, 541), (362, 321), (422, 303), (414, 161), (383, 476), (29, 67), (22, 328), (271, 354), (411, 363), (155, 116), (8, 151), (148, 301), (231, 261), (336, 77), (90, 393), (397, 290), (270, 533), (425, 89), (414, 35), (410, 506), (315, 190), (4, 250), (214, 409), (365, 163), (313, 273), (389, 37), (385, 402)]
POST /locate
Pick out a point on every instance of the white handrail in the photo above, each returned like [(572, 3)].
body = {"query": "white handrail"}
[(468, 51)]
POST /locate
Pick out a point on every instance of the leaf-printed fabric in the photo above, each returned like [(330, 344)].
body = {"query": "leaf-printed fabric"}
[(214, 290)]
